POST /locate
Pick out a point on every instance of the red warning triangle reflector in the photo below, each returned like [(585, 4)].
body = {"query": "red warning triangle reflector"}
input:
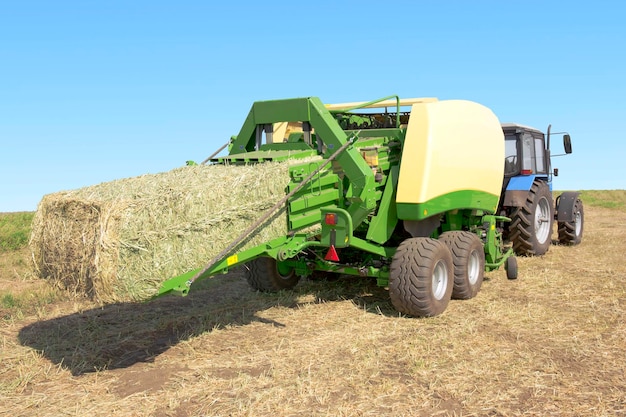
[(332, 254)]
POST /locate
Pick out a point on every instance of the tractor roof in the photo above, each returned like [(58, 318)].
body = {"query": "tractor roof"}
[(514, 127)]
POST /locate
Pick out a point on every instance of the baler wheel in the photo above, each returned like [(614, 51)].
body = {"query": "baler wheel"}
[(264, 274), (531, 224), (421, 277), (511, 267), (468, 256), (571, 233)]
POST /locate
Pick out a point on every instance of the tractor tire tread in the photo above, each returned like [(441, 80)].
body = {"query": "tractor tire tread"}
[(567, 230), (522, 227)]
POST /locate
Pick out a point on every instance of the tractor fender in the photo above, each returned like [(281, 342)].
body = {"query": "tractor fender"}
[(565, 206), (515, 198), (517, 190)]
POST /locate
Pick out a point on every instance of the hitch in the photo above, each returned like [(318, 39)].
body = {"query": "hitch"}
[(179, 285)]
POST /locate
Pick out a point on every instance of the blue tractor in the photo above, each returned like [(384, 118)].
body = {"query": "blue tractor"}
[(527, 194)]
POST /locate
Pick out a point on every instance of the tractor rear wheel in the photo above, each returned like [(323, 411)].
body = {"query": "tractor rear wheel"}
[(531, 224), (571, 233), (267, 275), (421, 277), (468, 256)]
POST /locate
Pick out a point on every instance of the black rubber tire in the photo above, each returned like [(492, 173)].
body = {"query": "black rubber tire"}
[(468, 256), (263, 275), (511, 267), (421, 277), (531, 224), (571, 233)]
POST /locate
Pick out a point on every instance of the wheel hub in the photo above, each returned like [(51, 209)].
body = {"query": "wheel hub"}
[(542, 221), (473, 268), (440, 280), (578, 224)]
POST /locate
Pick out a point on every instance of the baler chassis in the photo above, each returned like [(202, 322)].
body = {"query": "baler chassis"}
[(353, 226)]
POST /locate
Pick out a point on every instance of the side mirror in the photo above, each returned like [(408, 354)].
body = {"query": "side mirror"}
[(567, 144)]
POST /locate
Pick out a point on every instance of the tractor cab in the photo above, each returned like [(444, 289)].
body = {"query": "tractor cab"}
[(525, 151)]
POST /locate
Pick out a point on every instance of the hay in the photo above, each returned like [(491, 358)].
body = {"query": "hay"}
[(118, 241)]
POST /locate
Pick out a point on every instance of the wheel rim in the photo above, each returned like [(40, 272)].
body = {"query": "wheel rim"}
[(542, 220), (578, 224), (473, 268), (284, 272), (440, 280)]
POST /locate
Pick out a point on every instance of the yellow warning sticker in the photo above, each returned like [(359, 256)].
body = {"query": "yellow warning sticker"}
[(231, 260)]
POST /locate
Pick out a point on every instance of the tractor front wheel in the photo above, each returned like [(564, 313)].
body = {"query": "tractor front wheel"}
[(421, 277), (267, 275), (531, 224)]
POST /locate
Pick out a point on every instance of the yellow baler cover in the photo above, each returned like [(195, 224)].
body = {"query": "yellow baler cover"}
[(452, 158)]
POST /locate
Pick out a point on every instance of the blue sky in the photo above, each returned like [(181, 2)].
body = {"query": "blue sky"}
[(92, 91)]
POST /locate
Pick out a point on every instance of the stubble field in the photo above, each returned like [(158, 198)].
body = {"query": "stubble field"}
[(551, 343)]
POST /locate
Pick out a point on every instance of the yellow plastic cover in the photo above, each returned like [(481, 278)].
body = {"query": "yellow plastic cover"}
[(452, 147)]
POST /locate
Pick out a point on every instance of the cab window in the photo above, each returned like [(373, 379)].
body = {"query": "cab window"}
[(511, 163)]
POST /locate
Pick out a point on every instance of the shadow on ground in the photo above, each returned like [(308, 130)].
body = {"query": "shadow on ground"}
[(120, 335)]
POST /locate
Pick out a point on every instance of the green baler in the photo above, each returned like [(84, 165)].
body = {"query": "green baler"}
[(406, 195)]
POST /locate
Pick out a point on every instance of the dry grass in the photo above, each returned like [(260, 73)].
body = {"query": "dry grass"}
[(118, 241), (550, 343)]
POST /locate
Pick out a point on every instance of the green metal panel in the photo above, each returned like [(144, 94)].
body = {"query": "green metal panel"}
[(383, 224), (376, 134), (267, 155), (465, 199), (299, 172), (289, 110), (321, 191), (244, 141), (326, 179), (306, 219), (314, 200), (369, 247), (294, 146)]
